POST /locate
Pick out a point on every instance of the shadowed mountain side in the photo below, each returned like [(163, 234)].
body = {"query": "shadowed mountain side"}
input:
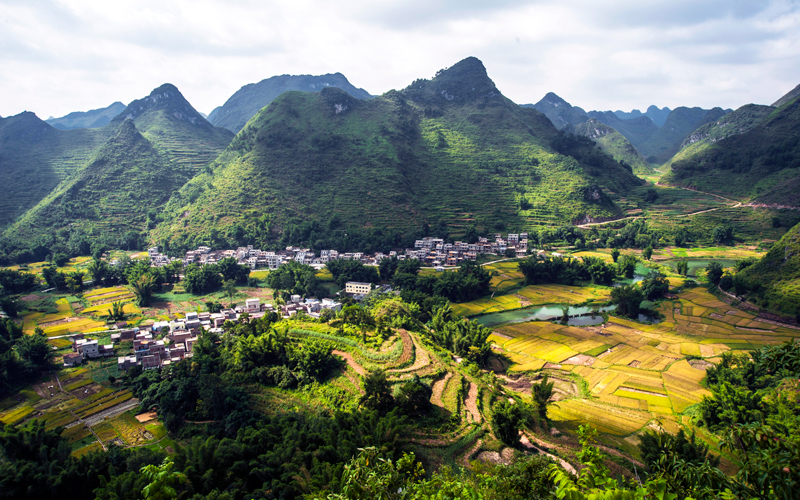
[(636, 130), (559, 111), (613, 143), (665, 142), (775, 279), (87, 119), (35, 158), (762, 164), (248, 100), (125, 179), (734, 123), (452, 149)]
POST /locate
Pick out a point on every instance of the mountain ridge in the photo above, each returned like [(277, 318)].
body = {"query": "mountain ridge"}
[(250, 98), (450, 150)]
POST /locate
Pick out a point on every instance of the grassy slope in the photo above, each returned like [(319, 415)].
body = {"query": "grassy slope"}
[(762, 164), (35, 158), (779, 274), (451, 149), (177, 143), (125, 179), (614, 144)]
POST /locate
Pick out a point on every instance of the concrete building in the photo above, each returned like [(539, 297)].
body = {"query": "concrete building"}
[(357, 287)]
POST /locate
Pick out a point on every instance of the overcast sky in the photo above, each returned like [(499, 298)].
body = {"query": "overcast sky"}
[(58, 56)]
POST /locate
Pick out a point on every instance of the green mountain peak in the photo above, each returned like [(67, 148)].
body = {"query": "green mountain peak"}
[(165, 98)]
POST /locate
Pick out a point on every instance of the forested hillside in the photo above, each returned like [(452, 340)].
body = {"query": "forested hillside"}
[(450, 150)]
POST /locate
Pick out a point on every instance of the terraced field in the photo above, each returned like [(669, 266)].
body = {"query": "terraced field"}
[(533, 295), (637, 375)]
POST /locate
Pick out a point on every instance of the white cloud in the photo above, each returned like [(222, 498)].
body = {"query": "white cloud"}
[(68, 55)]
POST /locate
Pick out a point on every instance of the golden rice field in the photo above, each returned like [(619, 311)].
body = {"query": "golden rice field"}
[(533, 295), (634, 373)]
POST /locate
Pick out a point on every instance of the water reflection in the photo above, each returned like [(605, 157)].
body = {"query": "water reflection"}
[(545, 313)]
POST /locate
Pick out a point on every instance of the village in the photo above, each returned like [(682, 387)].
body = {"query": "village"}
[(162, 343), (431, 251)]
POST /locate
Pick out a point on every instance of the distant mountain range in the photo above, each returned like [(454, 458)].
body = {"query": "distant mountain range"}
[(656, 135), (248, 100), (450, 152), (87, 119)]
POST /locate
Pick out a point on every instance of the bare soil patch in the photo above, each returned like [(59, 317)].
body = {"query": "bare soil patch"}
[(146, 417), (581, 360), (471, 402), (700, 364), (58, 322), (438, 389), (348, 358)]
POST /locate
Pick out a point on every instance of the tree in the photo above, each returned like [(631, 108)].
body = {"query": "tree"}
[(627, 265), (615, 254), (714, 272), (541, 393), (414, 397), (117, 311), (74, 281), (163, 481), (143, 289), (35, 351), (229, 287), (682, 267), (655, 285), (647, 252), (628, 298), (387, 267), (506, 420), (98, 270), (377, 393)]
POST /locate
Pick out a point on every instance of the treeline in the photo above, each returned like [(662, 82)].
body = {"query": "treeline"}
[(69, 242), (567, 270), (469, 282), (23, 358)]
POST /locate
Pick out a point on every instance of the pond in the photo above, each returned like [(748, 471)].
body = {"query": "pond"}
[(697, 264), (582, 315), (638, 275)]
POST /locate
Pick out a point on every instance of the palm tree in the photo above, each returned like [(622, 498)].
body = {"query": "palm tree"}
[(163, 480), (143, 289)]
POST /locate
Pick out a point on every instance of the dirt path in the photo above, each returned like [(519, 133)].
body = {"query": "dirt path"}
[(348, 358), (421, 359), (465, 457), (438, 389), (525, 440), (471, 402)]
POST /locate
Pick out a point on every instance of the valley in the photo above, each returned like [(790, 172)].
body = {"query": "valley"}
[(435, 286)]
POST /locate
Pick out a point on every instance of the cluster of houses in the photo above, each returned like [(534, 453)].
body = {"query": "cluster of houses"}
[(166, 342), (432, 251)]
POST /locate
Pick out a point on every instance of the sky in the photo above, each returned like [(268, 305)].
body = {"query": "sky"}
[(58, 56)]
